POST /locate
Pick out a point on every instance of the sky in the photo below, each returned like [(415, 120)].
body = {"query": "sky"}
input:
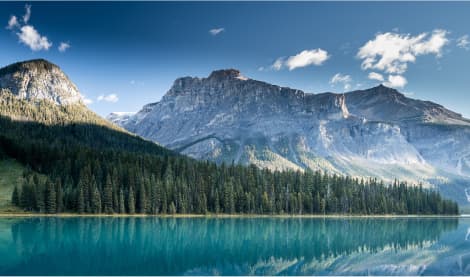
[(123, 55)]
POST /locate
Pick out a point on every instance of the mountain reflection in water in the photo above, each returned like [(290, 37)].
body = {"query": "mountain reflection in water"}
[(232, 246)]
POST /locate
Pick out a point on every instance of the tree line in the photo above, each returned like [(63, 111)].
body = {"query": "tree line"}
[(93, 168), (177, 185)]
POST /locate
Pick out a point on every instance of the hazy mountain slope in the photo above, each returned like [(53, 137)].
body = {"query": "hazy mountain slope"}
[(441, 136), (387, 104), (376, 132)]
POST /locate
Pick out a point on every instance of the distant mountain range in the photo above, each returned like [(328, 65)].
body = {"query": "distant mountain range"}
[(62, 157), (377, 132), (74, 160)]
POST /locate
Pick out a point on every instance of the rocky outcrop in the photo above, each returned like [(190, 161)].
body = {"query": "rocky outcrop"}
[(39, 80)]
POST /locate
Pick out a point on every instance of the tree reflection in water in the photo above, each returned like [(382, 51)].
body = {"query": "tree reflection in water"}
[(175, 246)]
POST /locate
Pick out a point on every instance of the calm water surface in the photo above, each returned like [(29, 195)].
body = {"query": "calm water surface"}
[(241, 246)]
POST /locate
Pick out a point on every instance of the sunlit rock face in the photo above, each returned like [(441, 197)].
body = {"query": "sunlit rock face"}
[(39, 80), (377, 132), (441, 136)]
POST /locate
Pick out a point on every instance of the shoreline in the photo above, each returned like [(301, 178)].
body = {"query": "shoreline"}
[(71, 215)]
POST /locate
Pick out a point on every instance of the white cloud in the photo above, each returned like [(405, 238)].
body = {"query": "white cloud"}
[(306, 58), (136, 83), (409, 93), (13, 23), (278, 64), (391, 52), (27, 34), (30, 37), (112, 98), (27, 15), (376, 76), (87, 101), (216, 31), (339, 78), (396, 81), (464, 42), (63, 46)]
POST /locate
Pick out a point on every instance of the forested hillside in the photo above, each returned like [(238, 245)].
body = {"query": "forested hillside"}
[(75, 161), (91, 167)]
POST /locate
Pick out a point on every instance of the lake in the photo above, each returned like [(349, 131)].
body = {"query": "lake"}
[(234, 246)]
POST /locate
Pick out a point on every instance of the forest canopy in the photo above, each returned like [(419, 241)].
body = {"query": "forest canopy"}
[(79, 163)]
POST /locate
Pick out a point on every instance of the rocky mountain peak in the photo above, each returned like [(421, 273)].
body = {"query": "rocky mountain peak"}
[(225, 74), (384, 91), (36, 65), (39, 80)]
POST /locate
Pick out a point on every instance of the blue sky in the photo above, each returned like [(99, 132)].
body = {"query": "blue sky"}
[(123, 55)]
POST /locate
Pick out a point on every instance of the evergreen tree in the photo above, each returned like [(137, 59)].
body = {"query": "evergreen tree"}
[(131, 201), (60, 197), (172, 208), (108, 196), (122, 204), (81, 199), (96, 201), (142, 199), (15, 197), (40, 197), (217, 202), (51, 198)]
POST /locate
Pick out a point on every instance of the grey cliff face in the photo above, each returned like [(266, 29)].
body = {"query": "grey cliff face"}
[(378, 132), (37, 80)]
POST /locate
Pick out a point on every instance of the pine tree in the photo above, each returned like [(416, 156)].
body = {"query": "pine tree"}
[(60, 196), (131, 201), (216, 202), (142, 199), (81, 198), (51, 198), (172, 208), (122, 204), (15, 197), (96, 201), (153, 199), (266, 203), (164, 208), (108, 196), (40, 197), (229, 201), (25, 197)]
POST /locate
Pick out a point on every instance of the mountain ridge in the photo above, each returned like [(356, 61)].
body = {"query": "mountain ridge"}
[(73, 163), (377, 132)]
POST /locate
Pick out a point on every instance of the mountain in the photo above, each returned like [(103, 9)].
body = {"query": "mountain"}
[(378, 132), (39, 91), (39, 80), (120, 118), (58, 156)]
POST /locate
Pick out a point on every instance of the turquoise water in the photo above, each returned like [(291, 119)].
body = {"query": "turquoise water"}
[(240, 246)]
